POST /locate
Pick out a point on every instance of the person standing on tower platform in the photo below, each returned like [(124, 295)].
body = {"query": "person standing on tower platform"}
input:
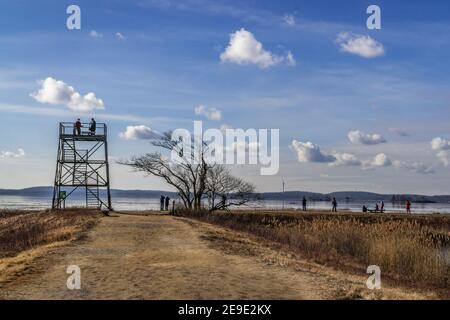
[(92, 127), (78, 126)]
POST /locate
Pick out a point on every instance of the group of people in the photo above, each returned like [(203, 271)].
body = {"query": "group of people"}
[(164, 202), (78, 125), (380, 207)]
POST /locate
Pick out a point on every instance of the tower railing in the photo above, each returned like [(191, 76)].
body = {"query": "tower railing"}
[(68, 129)]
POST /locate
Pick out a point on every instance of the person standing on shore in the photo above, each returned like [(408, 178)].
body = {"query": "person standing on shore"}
[(167, 203), (161, 201), (334, 204), (304, 201), (408, 206), (382, 207)]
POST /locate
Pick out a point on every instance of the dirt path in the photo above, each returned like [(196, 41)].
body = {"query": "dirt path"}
[(162, 257)]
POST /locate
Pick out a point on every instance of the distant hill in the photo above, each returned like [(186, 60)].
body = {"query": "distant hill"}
[(48, 192), (288, 195), (354, 196)]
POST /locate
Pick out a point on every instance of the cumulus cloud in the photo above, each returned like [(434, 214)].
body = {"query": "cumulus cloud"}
[(414, 167), (359, 137), (210, 113), (310, 152), (345, 159), (10, 154), (289, 20), (441, 146), (95, 34), (380, 160), (243, 48), (57, 92), (361, 45), (138, 132), (120, 36)]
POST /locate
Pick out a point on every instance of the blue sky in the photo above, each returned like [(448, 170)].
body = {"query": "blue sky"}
[(167, 61)]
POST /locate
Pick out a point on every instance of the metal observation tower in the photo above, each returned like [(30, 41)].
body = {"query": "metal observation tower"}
[(82, 169)]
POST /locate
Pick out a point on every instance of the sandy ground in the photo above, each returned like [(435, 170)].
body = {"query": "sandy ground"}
[(164, 257)]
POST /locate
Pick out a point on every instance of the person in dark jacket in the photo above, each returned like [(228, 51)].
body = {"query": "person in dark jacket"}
[(334, 204), (78, 126), (304, 201), (161, 201), (92, 127), (167, 203)]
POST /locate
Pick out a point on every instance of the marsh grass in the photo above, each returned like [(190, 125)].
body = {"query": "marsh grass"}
[(21, 231), (405, 248)]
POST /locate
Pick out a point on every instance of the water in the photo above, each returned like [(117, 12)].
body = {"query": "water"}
[(38, 203), (356, 206), (139, 204)]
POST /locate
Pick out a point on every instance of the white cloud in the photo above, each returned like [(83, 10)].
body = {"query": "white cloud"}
[(290, 60), (443, 157), (415, 167), (57, 92), (438, 144), (10, 154), (360, 45), (310, 152), (289, 20), (138, 132), (345, 159), (120, 36), (210, 113), (380, 160), (441, 145), (358, 137), (95, 34), (243, 48)]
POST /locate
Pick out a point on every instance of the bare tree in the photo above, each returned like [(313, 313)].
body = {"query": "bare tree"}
[(187, 175), (223, 190), (192, 176)]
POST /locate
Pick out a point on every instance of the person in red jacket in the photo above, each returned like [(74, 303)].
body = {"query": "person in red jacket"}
[(78, 127), (408, 206)]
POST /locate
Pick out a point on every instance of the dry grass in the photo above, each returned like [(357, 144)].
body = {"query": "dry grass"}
[(20, 231), (407, 249)]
